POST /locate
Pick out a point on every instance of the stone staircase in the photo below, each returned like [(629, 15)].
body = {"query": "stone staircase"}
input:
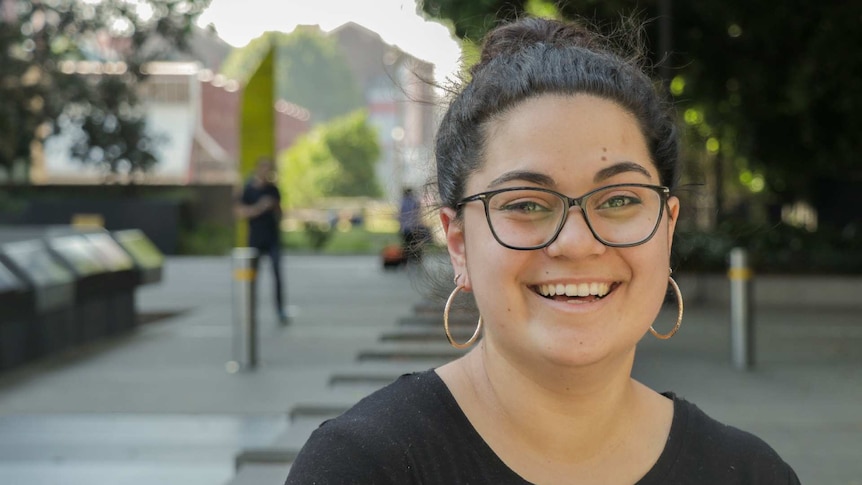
[(416, 342)]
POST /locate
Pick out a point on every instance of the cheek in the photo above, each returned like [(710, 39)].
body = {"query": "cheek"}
[(651, 269), (494, 270)]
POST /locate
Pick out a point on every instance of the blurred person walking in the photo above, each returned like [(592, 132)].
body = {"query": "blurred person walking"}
[(260, 205)]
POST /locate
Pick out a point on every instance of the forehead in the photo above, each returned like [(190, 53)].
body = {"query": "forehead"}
[(564, 136)]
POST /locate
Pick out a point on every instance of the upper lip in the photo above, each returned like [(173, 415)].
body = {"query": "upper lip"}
[(580, 288)]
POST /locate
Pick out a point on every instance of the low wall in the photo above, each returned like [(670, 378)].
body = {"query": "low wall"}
[(161, 211), (788, 291)]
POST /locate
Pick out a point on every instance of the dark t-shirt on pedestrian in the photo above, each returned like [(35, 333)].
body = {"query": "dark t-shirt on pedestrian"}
[(263, 230), (414, 432)]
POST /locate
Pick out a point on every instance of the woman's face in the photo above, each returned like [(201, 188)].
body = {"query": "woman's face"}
[(571, 144)]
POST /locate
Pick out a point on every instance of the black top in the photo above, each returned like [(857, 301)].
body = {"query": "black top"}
[(263, 230), (413, 432)]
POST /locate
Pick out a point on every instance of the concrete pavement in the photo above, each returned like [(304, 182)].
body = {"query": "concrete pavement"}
[(159, 406)]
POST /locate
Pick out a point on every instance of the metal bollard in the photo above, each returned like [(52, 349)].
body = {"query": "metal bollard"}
[(741, 324), (244, 309)]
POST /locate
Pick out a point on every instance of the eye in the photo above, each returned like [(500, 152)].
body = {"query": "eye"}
[(618, 201), (525, 206)]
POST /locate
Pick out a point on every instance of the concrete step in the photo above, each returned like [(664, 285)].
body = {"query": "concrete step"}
[(321, 410), (285, 447), (259, 473), (431, 311), (423, 333), (432, 353)]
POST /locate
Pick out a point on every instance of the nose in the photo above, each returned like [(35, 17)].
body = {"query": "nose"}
[(575, 239)]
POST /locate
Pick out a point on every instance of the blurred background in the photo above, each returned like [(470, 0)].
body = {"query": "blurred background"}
[(128, 127), (127, 108)]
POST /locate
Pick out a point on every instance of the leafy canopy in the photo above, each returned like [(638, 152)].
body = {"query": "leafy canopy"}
[(337, 158), (772, 89), (73, 66)]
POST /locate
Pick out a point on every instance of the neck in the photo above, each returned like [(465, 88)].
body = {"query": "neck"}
[(561, 412)]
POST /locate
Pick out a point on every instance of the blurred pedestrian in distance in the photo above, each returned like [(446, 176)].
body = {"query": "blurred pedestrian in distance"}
[(556, 165), (260, 205), (414, 232)]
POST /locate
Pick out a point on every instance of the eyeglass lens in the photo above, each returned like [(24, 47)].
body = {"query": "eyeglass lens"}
[(527, 218)]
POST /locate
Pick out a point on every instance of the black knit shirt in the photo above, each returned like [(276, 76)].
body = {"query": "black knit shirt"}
[(414, 432)]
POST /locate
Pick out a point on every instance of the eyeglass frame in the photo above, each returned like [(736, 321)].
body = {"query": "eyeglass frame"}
[(661, 190)]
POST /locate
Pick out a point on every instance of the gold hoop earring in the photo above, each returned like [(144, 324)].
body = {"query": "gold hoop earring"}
[(452, 341), (665, 336)]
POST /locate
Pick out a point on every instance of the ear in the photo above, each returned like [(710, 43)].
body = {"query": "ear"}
[(454, 231), (672, 217)]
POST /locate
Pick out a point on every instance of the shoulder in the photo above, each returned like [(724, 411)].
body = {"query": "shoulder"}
[(373, 439), (404, 404), (707, 451)]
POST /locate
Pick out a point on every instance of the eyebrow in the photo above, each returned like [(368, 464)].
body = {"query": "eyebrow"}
[(619, 168), (523, 175), (542, 179)]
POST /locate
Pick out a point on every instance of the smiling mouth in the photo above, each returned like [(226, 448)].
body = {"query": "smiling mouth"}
[(581, 292)]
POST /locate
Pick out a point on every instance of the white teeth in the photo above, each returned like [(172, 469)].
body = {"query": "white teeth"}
[(571, 289), (583, 289)]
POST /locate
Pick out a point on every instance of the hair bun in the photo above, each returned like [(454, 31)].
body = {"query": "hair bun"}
[(515, 37)]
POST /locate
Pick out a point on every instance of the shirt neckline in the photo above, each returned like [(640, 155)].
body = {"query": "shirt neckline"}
[(656, 474)]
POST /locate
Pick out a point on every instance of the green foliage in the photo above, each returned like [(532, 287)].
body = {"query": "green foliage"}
[(354, 144), (311, 71), (777, 248), (41, 94), (334, 159), (206, 239), (318, 234), (776, 85), (473, 18), (306, 171)]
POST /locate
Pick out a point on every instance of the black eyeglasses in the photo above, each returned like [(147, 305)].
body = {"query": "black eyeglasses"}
[(619, 216)]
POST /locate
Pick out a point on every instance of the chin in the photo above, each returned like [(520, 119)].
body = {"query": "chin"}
[(566, 348)]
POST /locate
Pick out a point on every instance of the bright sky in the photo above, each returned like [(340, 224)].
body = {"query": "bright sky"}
[(396, 21)]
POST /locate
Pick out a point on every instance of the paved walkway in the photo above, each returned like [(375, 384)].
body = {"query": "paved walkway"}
[(159, 406)]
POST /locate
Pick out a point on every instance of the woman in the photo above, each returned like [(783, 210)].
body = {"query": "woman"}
[(554, 170)]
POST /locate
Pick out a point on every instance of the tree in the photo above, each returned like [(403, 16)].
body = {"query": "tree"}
[(306, 171), (311, 71), (334, 159), (771, 91), (74, 67), (353, 143)]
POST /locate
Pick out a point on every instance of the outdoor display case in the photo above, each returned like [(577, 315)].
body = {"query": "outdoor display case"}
[(92, 282), (62, 286), (148, 260), (53, 292), (122, 280), (16, 319)]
